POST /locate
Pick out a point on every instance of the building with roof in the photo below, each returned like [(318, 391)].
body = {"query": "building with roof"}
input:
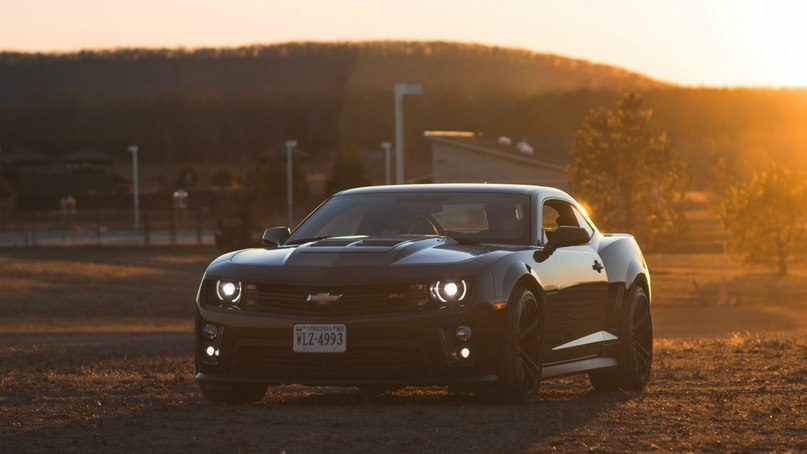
[(29, 162), (88, 159), (465, 157)]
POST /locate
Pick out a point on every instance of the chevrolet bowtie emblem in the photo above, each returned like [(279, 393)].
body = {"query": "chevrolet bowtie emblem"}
[(323, 299)]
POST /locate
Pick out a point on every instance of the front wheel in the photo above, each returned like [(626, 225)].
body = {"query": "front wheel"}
[(635, 356), (520, 367), (233, 394)]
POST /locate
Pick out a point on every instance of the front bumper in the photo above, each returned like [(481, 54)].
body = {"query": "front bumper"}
[(417, 349)]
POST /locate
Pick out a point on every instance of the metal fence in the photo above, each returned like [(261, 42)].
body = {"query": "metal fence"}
[(116, 227), (108, 227)]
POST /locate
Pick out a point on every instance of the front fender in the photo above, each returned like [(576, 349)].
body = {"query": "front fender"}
[(623, 260), (517, 268)]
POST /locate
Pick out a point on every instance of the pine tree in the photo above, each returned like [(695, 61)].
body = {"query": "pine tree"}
[(629, 174)]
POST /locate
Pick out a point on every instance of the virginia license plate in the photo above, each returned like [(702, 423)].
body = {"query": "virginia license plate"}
[(320, 338)]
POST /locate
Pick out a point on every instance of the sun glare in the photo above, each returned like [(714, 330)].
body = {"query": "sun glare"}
[(770, 39)]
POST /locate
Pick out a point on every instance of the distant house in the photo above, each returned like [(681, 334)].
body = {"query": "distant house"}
[(472, 158), (29, 162), (88, 159), (80, 173)]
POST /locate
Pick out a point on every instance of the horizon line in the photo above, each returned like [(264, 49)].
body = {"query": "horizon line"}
[(194, 48)]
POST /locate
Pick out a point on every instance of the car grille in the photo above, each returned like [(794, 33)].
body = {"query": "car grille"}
[(362, 362), (354, 300)]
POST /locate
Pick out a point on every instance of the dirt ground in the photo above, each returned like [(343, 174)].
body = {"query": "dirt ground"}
[(96, 355)]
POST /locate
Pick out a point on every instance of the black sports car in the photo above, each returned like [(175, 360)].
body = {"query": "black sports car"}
[(479, 287)]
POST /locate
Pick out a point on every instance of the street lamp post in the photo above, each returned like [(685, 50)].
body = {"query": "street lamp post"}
[(135, 186), (387, 177), (400, 91), (290, 145)]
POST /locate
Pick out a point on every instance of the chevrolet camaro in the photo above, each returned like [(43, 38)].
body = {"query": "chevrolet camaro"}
[(478, 287)]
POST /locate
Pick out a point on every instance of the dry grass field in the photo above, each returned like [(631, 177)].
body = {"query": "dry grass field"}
[(95, 355)]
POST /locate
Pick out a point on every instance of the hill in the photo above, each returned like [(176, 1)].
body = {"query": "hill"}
[(302, 68)]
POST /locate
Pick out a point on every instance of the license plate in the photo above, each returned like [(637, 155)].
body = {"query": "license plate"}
[(320, 338)]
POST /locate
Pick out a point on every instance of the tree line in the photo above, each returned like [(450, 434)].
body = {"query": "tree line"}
[(302, 68)]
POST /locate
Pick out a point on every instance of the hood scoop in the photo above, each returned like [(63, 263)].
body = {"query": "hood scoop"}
[(380, 242), (356, 245), (326, 255), (336, 242)]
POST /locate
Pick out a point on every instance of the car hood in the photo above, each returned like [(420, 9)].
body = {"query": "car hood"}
[(362, 252), (359, 260)]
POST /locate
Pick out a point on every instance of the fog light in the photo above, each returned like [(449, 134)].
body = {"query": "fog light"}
[(464, 333), (465, 352), (210, 351), (210, 331)]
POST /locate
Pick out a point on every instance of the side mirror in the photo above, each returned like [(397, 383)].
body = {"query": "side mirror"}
[(562, 237), (275, 236)]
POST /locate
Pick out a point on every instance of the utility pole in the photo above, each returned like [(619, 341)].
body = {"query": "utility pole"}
[(290, 145), (135, 186), (387, 177), (400, 91)]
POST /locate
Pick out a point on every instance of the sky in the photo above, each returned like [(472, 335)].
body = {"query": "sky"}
[(689, 42)]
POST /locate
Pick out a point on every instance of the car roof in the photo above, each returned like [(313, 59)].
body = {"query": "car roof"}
[(542, 191)]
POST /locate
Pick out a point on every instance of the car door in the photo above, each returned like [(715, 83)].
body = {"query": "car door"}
[(576, 312)]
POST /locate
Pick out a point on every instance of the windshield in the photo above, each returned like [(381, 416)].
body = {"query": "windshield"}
[(478, 218)]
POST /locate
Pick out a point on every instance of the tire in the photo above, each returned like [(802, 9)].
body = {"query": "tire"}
[(521, 350), (635, 355), (233, 394)]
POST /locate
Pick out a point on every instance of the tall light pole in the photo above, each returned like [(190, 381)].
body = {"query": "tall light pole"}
[(400, 91), (290, 145), (135, 186), (386, 146)]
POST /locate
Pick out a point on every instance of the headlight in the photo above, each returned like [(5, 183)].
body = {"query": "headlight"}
[(228, 291), (450, 291)]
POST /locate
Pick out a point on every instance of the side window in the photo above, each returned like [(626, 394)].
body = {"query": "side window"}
[(549, 223), (557, 213), (582, 221)]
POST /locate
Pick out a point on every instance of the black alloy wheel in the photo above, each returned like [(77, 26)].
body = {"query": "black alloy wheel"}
[(520, 368), (642, 336), (635, 356)]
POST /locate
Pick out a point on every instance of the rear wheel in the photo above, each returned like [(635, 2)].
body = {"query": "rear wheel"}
[(636, 352), (233, 394), (520, 367)]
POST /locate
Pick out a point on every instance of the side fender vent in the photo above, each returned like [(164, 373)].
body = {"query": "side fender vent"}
[(616, 304)]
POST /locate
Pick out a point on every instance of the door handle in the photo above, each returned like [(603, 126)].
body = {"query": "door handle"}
[(597, 266)]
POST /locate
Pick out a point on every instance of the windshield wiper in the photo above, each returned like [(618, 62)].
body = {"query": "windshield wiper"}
[(308, 240)]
